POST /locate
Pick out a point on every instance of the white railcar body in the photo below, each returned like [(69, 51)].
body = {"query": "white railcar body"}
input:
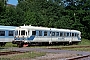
[(30, 34)]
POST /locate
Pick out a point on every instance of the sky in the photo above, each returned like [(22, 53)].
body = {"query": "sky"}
[(13, 2)]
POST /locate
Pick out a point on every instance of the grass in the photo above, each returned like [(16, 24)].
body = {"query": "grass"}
[(22, 56), (84, 42), (10, 45), (29, 55)]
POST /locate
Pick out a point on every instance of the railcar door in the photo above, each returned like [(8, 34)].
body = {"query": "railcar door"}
[(73, 38)]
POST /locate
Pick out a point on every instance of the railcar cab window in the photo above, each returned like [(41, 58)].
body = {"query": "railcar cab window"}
[(2, 33), (33, 32), (23, 32), (16, 32), (10, 33)]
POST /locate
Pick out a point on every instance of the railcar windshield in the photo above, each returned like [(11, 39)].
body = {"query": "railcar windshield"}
[(23, 32), (16, 32)]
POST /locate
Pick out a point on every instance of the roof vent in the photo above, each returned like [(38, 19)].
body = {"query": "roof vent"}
[(24, 24), (29, 25)]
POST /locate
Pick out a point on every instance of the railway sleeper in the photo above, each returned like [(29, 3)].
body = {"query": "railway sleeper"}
[(78, 57)]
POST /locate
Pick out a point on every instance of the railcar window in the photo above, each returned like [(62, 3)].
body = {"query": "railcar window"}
[(72, 34), (57, 33), (40, 33), (75, 34), (53, 33), (61, 33), (10, 33), (45, 33), (33, 32), (64, 34), (2, 33), (23, 32), (67, 34)]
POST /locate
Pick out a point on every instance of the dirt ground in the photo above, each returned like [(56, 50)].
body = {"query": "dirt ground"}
[(53, 56)]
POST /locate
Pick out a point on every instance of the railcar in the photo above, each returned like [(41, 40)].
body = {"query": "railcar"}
[(34, 34), (6, 34)]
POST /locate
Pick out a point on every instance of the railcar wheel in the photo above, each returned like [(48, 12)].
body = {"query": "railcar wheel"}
[(2, 44), (20, 44)]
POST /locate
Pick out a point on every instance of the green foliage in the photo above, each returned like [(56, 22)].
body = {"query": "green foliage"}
[(23, 56), (10, 45), (85, 42)]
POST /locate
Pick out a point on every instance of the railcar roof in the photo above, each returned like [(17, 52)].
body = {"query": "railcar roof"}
[(34, 27), (46, 28), (7, 27), (76, 31)]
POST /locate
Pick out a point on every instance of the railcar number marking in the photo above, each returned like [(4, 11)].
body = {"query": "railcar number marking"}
[(62, 38)]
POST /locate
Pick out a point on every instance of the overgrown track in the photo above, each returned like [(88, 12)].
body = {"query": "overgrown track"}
[(80, 58), (77, 47), (10, 52), (69, 47), (81, 55)]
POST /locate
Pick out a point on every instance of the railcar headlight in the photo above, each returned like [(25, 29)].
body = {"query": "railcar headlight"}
[(25, 41), (23, 38), (18, 38), (15, 38)]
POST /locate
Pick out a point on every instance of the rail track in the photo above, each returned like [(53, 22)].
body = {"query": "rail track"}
[(83, 55), (60, 48), (10, 52), (86, 57), (76, 47)]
